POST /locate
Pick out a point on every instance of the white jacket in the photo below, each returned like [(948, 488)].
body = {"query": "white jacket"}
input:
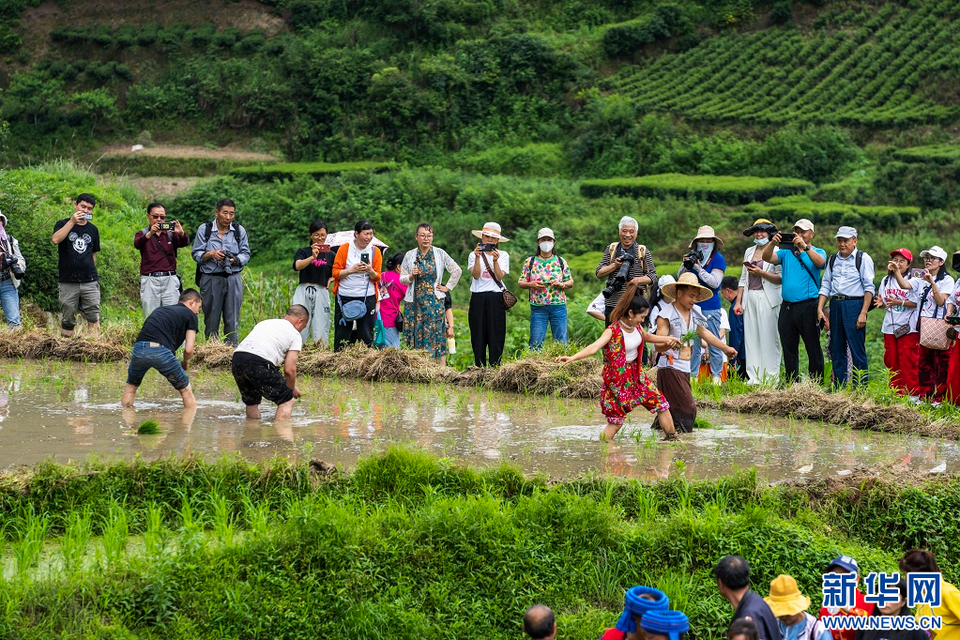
[(13, 247), (771, 290), (444, 263)]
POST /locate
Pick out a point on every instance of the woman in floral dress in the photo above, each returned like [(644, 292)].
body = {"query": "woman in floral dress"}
[(625, 386)]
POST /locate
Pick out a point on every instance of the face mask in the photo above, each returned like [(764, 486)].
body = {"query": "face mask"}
[(761, 241), (546, 247), (705, 247)]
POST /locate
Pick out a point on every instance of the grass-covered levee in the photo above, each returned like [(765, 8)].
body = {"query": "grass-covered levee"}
[(411, 546)]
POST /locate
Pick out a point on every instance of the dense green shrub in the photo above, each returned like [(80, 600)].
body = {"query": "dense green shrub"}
[(289, 170), (537, 159), (933, 154), (10, 40), (831, 214), (722, 189), (928, 185)]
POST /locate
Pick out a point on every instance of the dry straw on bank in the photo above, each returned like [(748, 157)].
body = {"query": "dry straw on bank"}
[(41, 344)]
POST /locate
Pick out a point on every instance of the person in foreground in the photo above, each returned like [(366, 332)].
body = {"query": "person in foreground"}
[(539, 623), (895, 608), (164, 330), (922, 561), (637, 602), (733, 582), (625, 386), (790, 607), (257, 360)]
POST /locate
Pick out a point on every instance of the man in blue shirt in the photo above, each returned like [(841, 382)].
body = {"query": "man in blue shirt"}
[(709, 269), (848, 285), (801, 268)]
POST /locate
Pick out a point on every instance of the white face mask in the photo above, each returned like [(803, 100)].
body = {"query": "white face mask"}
[(761, 241), (705, 247), (546, 246)]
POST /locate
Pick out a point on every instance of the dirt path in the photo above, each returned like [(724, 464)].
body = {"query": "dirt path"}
[(189, 151)]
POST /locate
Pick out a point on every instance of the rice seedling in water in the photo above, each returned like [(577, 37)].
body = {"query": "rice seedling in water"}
[(116, 530), (148, 427), (155, 535), (223, 521), (32, 532), (73, 544)]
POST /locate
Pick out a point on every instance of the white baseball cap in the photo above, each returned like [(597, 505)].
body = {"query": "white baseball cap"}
[(934, 252), (846, 232), (546, 232)]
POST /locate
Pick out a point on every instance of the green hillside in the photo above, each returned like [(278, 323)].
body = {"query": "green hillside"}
[(864, 66)]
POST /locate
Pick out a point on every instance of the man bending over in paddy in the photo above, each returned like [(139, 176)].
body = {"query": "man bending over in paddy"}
[(162, 334), (256, 363)]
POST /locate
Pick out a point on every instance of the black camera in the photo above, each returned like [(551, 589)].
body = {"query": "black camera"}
[(620, 278), (487, 248), (953, 319), (786, 239), (691, 258), (166, 226), (230, 261), (761, 226), (11, 263)]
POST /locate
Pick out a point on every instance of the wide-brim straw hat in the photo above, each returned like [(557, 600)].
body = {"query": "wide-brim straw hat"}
[(491, 229), (785, 598), (706, 231), (690, 280)]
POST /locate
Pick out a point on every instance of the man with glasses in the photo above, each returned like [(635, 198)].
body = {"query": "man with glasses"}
[(158, 243)]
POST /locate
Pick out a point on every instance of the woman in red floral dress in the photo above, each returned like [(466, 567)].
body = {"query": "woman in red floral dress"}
[(625, 386)]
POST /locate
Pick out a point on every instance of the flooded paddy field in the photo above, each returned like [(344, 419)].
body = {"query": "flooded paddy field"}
[(69, 411)]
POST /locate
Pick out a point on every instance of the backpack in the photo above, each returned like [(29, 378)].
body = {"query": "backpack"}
[(858, 258), (208, 225)]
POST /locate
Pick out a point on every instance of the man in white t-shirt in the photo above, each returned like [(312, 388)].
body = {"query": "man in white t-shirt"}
[(256, 363)]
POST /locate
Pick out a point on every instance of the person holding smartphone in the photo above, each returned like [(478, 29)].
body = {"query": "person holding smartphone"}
[(356, 273), (487, 315), (158, 243), (78, 242), (314, 263)]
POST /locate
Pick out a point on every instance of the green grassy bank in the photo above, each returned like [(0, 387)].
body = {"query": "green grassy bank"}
[(408, 545)]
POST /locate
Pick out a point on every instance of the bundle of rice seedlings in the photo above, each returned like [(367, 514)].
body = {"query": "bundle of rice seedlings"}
[(317, 361), (148, 427), (528, 375), (83, 350), (396, 365), (475, 377), (213, 355), (25, 344)]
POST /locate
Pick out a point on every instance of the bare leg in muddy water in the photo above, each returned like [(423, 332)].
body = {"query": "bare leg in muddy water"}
[(130, 395), (284, 411)]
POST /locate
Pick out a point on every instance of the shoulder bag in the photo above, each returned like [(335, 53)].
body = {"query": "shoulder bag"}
[(933, 331), (508, 298)]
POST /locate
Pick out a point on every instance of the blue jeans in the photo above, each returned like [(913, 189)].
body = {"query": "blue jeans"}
[(844, 333), (556, 316), (146, 357), (716, 356), (391, 338), (10, 300)]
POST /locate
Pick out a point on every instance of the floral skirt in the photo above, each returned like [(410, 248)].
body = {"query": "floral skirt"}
[(625, 391)]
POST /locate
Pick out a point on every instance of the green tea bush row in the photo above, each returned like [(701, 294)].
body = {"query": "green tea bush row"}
[(290, 170), (934, 154), (831, 213), (874, 75), (722, 189), (91, 70), (152, 34)]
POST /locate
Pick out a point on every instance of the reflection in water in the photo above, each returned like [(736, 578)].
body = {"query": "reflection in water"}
[(338, 421)]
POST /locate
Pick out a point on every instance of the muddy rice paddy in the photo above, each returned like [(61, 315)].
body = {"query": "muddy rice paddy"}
[(68, 411)]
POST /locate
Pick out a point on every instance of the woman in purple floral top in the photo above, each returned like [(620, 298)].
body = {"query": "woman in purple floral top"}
[(547, 277), (625, 385)]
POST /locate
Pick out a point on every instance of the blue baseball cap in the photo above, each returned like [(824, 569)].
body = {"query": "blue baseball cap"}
[(845, 562)]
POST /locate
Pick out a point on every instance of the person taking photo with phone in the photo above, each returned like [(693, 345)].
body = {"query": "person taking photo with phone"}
[(78, 242), (314, 263), (356, 274), (158, 243), (488, 313)]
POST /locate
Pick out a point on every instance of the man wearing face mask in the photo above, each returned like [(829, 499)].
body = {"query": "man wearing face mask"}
[(641, 269), (706, 261), (547, 277)]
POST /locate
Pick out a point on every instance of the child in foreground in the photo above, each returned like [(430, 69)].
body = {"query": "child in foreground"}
[(625, 386)]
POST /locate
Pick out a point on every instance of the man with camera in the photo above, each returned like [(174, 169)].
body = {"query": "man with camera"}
[(801, 264), (78, 242), (158, 243), (625, 262), (12, 268), (708, 264), (848, 285), (221, 249)]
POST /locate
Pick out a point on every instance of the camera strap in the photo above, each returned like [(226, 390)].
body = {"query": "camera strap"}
[(490, 271), (169, 257), (816, 280)]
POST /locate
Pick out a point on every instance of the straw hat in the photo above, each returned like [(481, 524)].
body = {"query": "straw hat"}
[(491, 229), (706, 231), (785, 598), (690, 280)]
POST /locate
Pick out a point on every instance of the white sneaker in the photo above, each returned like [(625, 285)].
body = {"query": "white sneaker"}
[(935, 404), (915, 399), (716, 380)]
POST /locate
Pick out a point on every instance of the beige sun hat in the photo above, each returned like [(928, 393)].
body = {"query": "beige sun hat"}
[(689, 280), (785, 598), (491, 229), (706, 231)]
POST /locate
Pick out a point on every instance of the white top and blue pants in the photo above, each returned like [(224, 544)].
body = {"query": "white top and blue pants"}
[(845, 286)]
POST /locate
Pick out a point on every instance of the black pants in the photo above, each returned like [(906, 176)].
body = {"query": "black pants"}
[(488, 327), (344, 333), (798, 320)]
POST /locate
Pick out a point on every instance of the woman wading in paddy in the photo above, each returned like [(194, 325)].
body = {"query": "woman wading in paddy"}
[(625, 386)]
